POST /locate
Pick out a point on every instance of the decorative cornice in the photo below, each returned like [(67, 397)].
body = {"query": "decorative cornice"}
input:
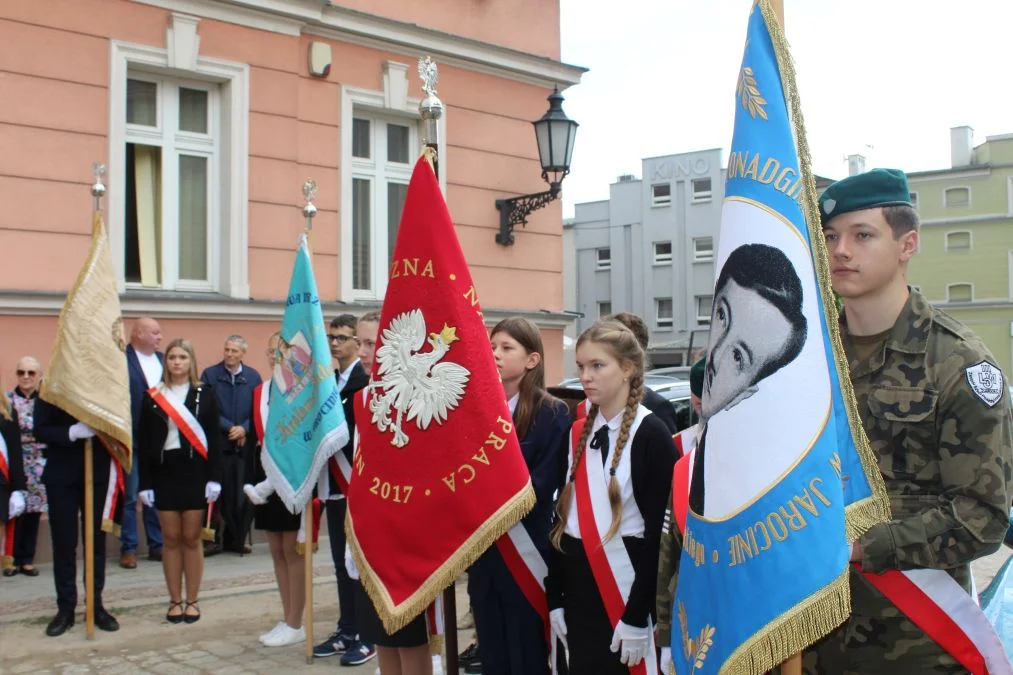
[(212, 306), (323, 19)]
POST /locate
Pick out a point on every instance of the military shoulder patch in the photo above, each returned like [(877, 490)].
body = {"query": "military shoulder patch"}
[(986, 382)]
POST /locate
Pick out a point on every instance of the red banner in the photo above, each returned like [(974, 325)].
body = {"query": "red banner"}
[(439, 474)]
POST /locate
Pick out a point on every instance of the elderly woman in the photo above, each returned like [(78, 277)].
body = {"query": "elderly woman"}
[(23, 397), (180, 471)]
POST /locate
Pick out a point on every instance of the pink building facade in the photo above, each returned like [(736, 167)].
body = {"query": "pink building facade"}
[(209, 115)]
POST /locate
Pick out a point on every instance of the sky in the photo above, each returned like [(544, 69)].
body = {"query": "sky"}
[(883, 78)]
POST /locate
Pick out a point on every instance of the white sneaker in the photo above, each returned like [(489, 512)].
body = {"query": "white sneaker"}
[(271, 632), (286, 636)]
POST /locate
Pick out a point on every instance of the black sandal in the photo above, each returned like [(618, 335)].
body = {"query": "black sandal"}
[(29, 570), (174, 618), (10, 571), (191, 618)]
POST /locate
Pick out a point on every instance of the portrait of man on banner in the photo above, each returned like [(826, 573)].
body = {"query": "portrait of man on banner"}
[(762, 356)]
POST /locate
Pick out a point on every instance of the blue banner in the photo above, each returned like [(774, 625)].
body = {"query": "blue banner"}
[(306, 423), (782, 480)]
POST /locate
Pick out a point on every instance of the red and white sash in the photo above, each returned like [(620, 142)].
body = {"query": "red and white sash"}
[(583, 409), (182, 418), (5, 471), (937, 604), (685, 440), (338, 464), (610, 563), (682, 475), (261, 408), (528, 568), (115, 488)]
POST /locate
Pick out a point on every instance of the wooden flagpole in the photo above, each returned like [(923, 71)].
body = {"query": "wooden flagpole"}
[(89, 540), (309, 190), (793, 666)]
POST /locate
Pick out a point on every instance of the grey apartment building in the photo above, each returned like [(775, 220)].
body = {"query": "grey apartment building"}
[(649, 249)]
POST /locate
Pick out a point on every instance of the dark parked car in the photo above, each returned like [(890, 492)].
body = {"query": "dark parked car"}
[(676, 390)]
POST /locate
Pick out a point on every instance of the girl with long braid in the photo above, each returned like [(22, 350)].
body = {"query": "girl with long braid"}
[(604, 562)]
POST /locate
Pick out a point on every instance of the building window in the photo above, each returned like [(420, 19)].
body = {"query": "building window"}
[(663, 312), (701, 190), (957, 196), (962, 292), (956, 241), (380, 165), (604, 258), (662, 252), (172, 183), (604, 308), (914, 199), (703, 249), (661, 194), (704, 305)]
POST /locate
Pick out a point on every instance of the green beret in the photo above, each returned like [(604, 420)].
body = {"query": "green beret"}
[(696, 377), (879, 187)]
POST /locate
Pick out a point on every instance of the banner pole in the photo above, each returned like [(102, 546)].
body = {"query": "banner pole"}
[(89, 540), (309, 191), (431, 110), (793, 666)]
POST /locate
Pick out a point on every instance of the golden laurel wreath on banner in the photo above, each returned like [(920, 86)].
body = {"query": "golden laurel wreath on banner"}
[(695, 651), (749, 93)]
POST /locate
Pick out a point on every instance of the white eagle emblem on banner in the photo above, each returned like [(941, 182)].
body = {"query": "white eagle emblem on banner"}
[(412, 384)]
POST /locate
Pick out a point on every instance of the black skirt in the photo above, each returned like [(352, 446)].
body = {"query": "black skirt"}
[(274, 517), (371, 627), (588, 628), (179, 481)]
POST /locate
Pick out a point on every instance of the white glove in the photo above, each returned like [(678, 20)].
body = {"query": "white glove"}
[(147, 498), (350, 567), (16, 504), (557, 623), (80, 431), (666, 660), (211, 491), (634, 642)]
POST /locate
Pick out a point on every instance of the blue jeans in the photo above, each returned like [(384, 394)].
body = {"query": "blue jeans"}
[(152, 530)]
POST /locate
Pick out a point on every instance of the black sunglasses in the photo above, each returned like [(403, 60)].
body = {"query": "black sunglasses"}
[(29, 373)]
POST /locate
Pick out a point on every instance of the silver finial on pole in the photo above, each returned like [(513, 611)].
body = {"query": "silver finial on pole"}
[(98, 190), (309, 191), (430, 107)]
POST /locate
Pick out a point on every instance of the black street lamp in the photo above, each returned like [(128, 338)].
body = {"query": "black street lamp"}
[(554, 133)]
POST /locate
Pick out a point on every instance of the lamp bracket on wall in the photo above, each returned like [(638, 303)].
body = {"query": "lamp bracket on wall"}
[(515, 211)]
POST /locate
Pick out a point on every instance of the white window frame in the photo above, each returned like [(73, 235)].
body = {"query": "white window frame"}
[(660, 321), (949, 288), (228, 200), (379, 172), (600, 264), (391, 104), (946, 196), (601, 308), (703, 320), (701, 196), (663, 200), (970, 240), (699, 256), (662, 258)]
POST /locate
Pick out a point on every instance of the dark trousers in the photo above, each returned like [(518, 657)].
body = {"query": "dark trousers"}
[(66, 515), (234, 511), (510, 632), (346, 585), (26, 534)]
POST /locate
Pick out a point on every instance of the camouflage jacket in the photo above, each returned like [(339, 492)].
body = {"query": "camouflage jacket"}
[(668, 574), (937, 413)]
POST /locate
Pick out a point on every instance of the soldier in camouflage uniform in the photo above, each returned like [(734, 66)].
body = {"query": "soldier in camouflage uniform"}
[(937, 413)]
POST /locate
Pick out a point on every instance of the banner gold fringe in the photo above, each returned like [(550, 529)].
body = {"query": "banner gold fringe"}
[(7, 562), (785, 637), (111, 527), (436, 644), (396, 617), (300, 547), (861, 515)]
